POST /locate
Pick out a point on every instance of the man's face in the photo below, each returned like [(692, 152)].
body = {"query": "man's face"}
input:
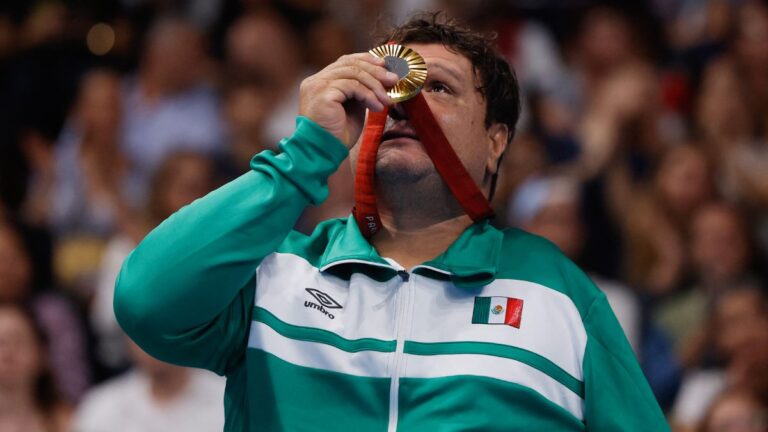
[(451, 91)]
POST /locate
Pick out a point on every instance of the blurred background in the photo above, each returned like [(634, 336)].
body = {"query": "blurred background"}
[(642, 153)]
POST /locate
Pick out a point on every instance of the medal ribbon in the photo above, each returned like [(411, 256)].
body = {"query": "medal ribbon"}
[(438, 149)]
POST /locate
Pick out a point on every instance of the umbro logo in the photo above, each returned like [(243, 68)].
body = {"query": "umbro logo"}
[(325, 301)]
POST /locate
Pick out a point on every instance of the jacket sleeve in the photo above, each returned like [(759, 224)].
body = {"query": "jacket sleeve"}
[(185, 294), (616, 393)]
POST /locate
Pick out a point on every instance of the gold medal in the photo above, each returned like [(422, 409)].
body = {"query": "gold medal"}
[(408, 65)]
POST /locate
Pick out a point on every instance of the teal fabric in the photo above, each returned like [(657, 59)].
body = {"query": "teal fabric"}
[(309, 334), (186, 296), (497, 350), (472, 403), (291, 398)]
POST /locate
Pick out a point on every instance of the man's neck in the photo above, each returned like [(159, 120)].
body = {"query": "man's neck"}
[(410, 246), (419, 225)]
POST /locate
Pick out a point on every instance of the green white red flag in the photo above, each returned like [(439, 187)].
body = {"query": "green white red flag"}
[(498, 310)]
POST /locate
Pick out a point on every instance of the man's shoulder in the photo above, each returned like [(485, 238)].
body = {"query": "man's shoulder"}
[(517, 240), (528, 257), (312, 247)]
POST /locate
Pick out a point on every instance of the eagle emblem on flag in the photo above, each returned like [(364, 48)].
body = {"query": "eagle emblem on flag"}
[(498, 310)]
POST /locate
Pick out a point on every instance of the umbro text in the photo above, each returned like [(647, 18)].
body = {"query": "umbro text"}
[(312, 305)]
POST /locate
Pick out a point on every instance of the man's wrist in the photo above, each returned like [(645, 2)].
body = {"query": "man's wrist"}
[(313, 134)]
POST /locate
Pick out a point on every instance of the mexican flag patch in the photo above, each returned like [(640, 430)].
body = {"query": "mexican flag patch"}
[(498, 310)]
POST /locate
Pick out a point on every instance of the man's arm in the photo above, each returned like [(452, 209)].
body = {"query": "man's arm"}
[(185, 293), (617, 395)]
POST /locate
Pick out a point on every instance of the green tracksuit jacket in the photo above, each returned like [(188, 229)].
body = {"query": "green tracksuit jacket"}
[(319, 333)]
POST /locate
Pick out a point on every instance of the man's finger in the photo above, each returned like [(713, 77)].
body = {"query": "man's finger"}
[(378, 70), (353, 89), (364, 56), (350, 59), (365, 78)]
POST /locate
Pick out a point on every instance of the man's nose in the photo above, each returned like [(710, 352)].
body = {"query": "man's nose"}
[(397, 112)]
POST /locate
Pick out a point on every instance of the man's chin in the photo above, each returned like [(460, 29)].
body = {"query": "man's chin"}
[(398, 168)]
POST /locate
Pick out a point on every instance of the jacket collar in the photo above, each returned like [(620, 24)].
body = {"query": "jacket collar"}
[(472, 260)]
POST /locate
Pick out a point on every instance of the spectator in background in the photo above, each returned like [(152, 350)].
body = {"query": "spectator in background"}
[(720, 249), (81, 200), (620, 127), (736, 410), (262, 44), (533, 53), (66, 351), (621, 143), (246, 108), (696, 28), (29, 401), (721, 258), (734, 353), (751, 58), (729, 129), (722, 117), (548, 91), (169, 105), (179, 180), (89, 167), (606, 43), (154, 397), (655, 218)]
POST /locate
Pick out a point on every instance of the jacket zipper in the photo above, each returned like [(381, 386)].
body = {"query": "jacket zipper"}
[(404, 311), (403, 317)]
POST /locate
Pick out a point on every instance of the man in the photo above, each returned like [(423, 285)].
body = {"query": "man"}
[(331, 332)]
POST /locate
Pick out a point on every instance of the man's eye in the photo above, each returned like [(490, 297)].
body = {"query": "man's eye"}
[(439, 87)]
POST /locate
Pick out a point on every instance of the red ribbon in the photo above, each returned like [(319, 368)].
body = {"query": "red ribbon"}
[(365, 211), (438, 148)]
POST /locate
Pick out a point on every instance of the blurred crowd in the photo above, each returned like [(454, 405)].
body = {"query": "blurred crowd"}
[(642, 153)]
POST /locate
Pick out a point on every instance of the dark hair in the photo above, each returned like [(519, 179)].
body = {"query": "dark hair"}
[(496, 79), (46, 394)]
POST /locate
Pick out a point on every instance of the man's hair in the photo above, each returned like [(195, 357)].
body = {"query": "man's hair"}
[(496, 80)]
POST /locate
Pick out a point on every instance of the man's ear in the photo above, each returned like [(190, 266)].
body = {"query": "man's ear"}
[(497, 142)]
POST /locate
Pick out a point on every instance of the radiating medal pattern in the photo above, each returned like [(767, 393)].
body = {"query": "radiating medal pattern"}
[(408, 65)]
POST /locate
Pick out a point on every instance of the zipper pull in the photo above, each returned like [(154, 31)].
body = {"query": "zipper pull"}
[(404, 275)]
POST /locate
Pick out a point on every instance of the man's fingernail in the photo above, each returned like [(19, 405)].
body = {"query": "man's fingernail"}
[(392, 76)]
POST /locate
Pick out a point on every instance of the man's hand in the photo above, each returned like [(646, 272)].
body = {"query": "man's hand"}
[(336, 97)]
